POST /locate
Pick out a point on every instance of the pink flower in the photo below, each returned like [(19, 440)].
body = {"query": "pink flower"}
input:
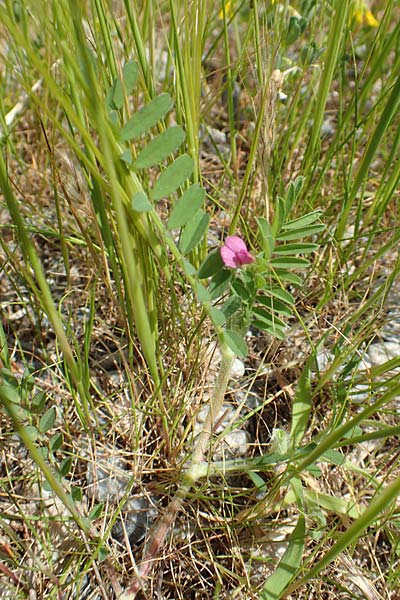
[(234, 252)]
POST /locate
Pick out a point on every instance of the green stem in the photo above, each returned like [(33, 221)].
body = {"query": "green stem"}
[(215, 408)]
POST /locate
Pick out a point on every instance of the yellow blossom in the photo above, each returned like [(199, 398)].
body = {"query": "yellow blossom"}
[(229, 10), (363, 15), (370, 19)]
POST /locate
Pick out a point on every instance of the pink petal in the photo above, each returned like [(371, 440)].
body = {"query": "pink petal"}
[(244, 257), (234, 252), (228, 257), (235, 243)]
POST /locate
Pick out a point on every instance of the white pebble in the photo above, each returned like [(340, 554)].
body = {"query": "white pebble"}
[(379, 353), (237, 369), (235, 444)]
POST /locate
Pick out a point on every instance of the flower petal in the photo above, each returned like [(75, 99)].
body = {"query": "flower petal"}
[(234, 252), (228, 257), (235, 243), (244, 257), (370, 19)]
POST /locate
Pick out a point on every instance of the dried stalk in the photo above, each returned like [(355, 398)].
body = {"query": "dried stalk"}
[(159, 531)]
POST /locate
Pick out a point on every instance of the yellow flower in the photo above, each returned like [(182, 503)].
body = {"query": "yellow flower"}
[(370, 19), (363, 15), (229, 10)]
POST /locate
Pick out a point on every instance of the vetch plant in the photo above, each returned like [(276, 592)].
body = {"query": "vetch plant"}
[(118, 179), (250, 290), (243, 290)]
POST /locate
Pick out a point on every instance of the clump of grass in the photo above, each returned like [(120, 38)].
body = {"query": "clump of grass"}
[(112, 295)]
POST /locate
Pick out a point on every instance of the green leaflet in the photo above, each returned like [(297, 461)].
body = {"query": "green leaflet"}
[(126, 157), (282, 294), (284, 275), (47, 420), (211, 265), (140, 203), (115, 98), (235, 342), (267, 237), (231, 306), (265, 315), (186, 207), (219, 284), (331, 504), (173, 177), (298, 234), (202, 293), (160, 147), (302, 404), (147, 117), (303, 221), (275, 305), (295, 249), (65, 466), (289, 262), (271, 328), (217, 316), (193, 232)]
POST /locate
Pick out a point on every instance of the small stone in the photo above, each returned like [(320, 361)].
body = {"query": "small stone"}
[(219, 137), (202, 414), (107, 478), (213, 359), (379, 353), (324, 359), (238, 369), (85, 589), (362, 451), (360, 393), (249, 401), (390, 331), (234, 445), (269, 551), (224, 418), (327, 129), (361, 51), (116, 378), (215, 140), (137, 517), (282, 97)]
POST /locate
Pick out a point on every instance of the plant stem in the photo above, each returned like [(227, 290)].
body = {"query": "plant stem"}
[(160, 531)]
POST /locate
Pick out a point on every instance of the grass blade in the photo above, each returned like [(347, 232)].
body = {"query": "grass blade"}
[(288, 566)]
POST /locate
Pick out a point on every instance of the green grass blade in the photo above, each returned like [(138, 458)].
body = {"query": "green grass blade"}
[(335, 41), (390, 109), (42, 292), (378, 506), (302, 405), (288, 566)]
